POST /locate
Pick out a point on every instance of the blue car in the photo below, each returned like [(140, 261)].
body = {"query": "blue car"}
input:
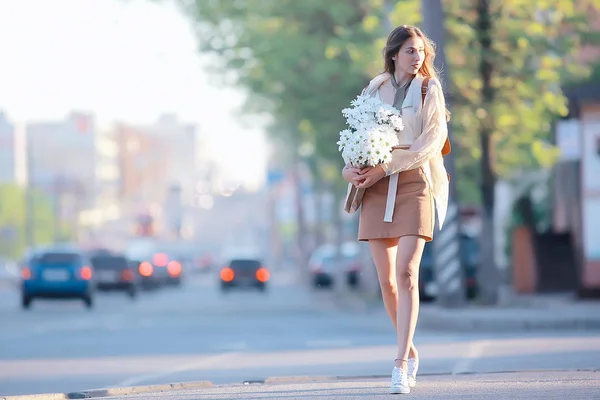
[(57, 274)]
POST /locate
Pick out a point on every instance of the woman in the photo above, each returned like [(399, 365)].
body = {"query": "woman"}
[(401, 197)]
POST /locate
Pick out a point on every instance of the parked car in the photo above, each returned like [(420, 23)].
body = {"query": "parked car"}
[(469, 258), (114, 273), (243, 273), (323, 265), (57, 273)]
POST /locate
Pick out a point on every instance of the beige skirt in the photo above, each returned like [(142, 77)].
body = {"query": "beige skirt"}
[(414, 212)]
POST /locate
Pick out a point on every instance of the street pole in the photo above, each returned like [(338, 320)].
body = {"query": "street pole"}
[(449, 272)]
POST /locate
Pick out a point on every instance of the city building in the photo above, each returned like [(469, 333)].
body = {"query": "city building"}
[(61, 163), (159, 172), (576, 199)]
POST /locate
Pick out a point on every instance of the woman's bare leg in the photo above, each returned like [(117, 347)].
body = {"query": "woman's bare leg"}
[(408, 259), (384, 255)]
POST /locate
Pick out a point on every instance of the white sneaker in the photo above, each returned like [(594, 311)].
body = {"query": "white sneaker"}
[(399, 382), (413, 367)]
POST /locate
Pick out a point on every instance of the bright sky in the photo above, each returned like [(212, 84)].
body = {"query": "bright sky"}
[(128, 60)]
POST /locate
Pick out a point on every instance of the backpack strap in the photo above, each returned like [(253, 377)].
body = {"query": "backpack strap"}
[(424, 89)]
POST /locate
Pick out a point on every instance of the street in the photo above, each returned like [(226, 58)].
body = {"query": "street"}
[(196, 333)]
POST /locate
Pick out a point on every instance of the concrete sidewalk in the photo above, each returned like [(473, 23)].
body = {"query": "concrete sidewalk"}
[(514, 313), (509, 385)]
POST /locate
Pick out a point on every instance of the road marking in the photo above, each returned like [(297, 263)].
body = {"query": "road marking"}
[(205, 362), (475, 351)]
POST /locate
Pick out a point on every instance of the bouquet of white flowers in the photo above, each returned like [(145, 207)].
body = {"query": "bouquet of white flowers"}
[(373, 127)]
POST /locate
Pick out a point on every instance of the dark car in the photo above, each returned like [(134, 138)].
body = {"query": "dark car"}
[(469, 258), (324, 264), (159, 269), (244, 273), (57, 273), (114, 273)]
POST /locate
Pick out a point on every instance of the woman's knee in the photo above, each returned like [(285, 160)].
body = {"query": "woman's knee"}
[(408, 277), (388, 287)]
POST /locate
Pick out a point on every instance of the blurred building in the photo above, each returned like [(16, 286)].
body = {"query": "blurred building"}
[(61, 162), (102, 225), (158, 169), (107, 169), (7, 151), (576, 191), (143, 163), (183, 169)]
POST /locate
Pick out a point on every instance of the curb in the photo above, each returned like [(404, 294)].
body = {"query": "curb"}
[(88, 394), (98, 393), (47, 396), (455, 320)]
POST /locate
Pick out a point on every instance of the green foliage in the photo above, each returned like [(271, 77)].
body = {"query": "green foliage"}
[(534, 45), (13, 219), (303, 61)]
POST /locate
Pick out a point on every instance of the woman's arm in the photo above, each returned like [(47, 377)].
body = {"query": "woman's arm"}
[(432, 139)]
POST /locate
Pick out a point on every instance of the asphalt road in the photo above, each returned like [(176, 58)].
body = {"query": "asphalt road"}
[(550, 385), (196, 333)]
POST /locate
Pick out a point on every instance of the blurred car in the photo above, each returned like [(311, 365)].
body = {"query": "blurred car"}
[(114, 272), (323, 265), (322, 268), (58, 273), (470, 254), (243, 273), (351, 261), (159, 269)]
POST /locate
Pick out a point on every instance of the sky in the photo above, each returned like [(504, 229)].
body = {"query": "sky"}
[(123, 60)]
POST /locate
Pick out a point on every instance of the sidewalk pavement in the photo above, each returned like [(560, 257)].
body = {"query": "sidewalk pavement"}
[(513, 313), (507, 385)]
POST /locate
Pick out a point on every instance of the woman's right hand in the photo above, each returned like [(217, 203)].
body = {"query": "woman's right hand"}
[(352, 175)]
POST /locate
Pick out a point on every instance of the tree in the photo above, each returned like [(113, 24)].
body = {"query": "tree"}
[(507, 89), (13, 220), (300, 61)]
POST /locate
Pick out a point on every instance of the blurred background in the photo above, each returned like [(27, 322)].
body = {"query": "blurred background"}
[(176, 150)]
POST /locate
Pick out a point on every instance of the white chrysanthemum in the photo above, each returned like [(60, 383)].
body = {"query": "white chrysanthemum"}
[(371, 133)]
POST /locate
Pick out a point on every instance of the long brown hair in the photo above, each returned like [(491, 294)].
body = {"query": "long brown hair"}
[(395, 41)]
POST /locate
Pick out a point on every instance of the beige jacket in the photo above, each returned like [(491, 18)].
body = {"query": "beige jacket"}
[(426, 150)]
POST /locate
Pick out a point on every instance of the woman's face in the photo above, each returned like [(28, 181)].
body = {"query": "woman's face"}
[(410, 57)]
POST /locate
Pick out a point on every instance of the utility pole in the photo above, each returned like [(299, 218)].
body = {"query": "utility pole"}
[(449, 272)]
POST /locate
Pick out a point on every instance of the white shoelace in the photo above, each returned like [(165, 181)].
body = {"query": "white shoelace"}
[(399, 377), (413, 366)]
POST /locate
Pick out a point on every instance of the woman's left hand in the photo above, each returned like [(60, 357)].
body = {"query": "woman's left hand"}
[(370, 176)]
